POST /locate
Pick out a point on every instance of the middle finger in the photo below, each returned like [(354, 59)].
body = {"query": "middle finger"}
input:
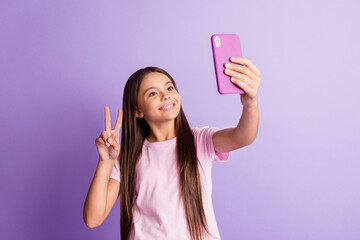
[(239, 68), (237, 75), (118, 121)]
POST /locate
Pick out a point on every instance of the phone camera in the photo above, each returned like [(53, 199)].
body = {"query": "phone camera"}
[(217, 41)]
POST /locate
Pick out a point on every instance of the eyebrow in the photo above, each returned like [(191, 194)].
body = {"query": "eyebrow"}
[(156, 87)]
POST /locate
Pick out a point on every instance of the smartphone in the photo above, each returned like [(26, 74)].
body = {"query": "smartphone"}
[(225, 46)]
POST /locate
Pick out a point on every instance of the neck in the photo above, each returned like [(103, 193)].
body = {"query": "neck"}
[(162, 132)]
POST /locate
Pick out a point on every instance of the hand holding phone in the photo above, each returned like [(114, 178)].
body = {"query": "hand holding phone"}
[(225, 46)]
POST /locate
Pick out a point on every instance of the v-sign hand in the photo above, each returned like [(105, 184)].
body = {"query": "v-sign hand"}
[(107, 143)]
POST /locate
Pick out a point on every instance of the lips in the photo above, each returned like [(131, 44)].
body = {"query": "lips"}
[(167, 107)]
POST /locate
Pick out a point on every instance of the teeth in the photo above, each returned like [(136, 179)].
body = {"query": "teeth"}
[(169, 106)]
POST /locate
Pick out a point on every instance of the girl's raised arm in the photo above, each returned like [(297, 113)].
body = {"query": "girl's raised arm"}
[(247, 76), (104, 191)]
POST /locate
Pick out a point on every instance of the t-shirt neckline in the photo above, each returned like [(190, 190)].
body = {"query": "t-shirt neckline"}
[(147, 143)]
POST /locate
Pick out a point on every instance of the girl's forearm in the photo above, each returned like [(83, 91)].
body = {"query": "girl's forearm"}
[(95, 203), (248, 125)]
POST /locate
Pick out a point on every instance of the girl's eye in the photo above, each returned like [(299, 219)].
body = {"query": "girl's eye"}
[(171, 88), (151, 94)]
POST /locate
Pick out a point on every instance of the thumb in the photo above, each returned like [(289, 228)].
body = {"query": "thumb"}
[(114, 144)]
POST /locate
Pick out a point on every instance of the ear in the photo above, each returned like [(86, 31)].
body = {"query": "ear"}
[(138, 113)]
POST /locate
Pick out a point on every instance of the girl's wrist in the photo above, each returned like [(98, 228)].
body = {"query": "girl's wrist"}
[(251, 105), (106, 163)]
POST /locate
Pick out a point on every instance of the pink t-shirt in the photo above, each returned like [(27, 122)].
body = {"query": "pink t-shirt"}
[(158, 212)]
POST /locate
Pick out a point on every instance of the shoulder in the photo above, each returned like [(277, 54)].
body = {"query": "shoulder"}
[(203, 131), (204, 143)]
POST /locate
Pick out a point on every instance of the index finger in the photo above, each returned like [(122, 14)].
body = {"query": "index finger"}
[(247, 62), (118, 120), (107, 119)]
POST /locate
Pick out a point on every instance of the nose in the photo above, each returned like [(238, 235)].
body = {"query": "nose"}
[(166, 97)]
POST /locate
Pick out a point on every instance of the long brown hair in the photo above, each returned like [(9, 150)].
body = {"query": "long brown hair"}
[(134, 132)]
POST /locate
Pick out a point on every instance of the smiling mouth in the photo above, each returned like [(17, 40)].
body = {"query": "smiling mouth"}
[(168, 107)]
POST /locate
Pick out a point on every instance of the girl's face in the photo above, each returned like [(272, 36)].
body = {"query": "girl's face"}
[(158, 100)]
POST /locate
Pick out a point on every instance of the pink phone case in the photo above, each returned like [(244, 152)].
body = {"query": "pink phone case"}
[(225, 46)]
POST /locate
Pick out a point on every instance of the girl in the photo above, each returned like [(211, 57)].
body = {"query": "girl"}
[(163, 171)]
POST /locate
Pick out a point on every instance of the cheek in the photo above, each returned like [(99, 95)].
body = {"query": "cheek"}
[(151, 105), (178, 97), (144, 105)]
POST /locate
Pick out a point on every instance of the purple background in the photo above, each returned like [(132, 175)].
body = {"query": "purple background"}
[(61, 62)]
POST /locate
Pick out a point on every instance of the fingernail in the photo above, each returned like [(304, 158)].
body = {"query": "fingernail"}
[(109, 140)]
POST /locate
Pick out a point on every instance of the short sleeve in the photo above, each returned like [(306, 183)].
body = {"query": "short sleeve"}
[(115, 172), (205, 146)]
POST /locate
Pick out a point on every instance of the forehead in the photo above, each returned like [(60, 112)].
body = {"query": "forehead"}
[(153, 79)]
